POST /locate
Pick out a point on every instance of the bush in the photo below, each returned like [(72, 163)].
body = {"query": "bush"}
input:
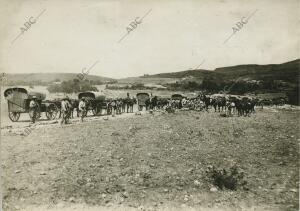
[(230, 179), (71, 86)]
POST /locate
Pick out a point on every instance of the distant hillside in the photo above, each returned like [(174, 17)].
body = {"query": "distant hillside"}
[(288, 72), (182, 74), (251, 78), (45, 78), (164, 78)]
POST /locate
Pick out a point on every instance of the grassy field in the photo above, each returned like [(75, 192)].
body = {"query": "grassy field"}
[(155, 162)]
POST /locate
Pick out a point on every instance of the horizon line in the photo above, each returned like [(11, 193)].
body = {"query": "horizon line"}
[(190, 69)]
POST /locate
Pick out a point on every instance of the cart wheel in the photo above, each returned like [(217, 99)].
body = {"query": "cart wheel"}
[(14, 116), (96, 111), (51, 111)]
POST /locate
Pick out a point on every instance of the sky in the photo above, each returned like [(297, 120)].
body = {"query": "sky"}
[(174, 36)]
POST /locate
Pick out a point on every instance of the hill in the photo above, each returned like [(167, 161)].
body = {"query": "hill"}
[(288, 71), (46, 78), (285, 73), (239, 79), (182, 74)]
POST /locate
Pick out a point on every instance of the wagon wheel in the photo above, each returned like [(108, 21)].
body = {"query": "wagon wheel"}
[(51, 111), (96, 111), (14, 116)]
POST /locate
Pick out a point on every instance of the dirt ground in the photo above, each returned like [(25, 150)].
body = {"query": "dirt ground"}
[(153, 161)]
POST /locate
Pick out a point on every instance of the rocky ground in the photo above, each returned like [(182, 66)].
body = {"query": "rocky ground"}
[(156, 161)]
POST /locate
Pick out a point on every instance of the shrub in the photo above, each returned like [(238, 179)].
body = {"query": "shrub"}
[(230, 179), (71, 86)]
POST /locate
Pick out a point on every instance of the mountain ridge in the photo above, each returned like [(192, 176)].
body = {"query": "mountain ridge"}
[(50, 77), (285, 71)]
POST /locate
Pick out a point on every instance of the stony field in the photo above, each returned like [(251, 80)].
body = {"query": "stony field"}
[(156, 161)]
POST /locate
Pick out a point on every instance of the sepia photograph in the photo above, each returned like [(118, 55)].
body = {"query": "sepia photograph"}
[(149, 105)]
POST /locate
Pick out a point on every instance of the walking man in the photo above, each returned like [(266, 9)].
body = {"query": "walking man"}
[(65, 108), (82, 108), (33, 108)]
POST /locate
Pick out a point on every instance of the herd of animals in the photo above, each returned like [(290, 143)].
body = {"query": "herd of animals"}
[(19, 99), (231, 104)]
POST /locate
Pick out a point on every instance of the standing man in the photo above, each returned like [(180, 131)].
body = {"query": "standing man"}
[(128, 102), (113, 107), (33, 107), (119, 105), (65, 107), (82, 108)]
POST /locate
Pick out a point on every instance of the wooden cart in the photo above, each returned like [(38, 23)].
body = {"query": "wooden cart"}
[(18, 100), (141, 100), (95, 102)]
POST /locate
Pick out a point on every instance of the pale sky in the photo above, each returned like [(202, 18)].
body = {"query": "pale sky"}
[(174, 36)]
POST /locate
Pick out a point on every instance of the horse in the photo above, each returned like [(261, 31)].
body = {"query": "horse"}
[(73, 106), (129, 104), (206, 100), (162, 102), (151, 103)]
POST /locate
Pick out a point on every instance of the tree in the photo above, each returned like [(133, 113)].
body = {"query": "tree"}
[(72, 86)]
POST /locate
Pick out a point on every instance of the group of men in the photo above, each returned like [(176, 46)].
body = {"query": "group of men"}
[(65, 109), (114, 106)]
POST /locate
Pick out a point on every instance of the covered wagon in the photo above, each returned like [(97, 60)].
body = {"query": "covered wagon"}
[(95, 101), (141, 100), (18, 100), (177, 97)]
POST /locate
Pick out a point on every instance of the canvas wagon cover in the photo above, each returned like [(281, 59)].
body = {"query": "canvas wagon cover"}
[(39, 96), (142, 97), (163, 97), (177, 97), (17, 98), (93, 95), (23, 93)]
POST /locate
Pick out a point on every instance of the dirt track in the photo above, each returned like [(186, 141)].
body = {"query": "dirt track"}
[(151, 162)]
